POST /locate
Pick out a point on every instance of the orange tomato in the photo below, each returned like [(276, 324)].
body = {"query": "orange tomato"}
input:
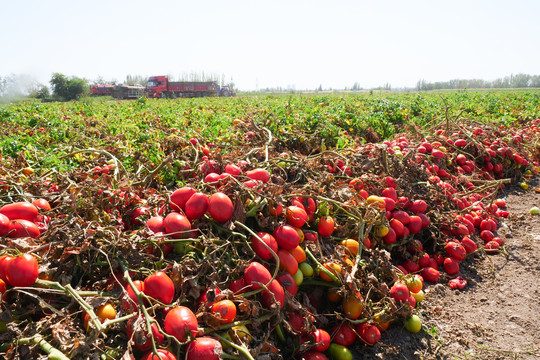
[(353, 307), (299, 254), (351, 245), (104, 312), (333, 268), (333, 295)]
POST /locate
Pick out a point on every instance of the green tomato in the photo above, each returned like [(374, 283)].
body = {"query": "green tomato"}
[(298, 277), (413, 324), (534, 210), (339, 352), (307, 270)]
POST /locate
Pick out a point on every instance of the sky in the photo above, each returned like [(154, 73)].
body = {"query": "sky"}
[(260, 44)]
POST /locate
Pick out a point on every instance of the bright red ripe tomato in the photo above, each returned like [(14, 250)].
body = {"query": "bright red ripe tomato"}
[(156, 224), (430, 274), (238, 286), (22, 270), (261, 250), (451, 266), (204, 348), (258, 174), (160, 287), (196, 206), (225, 310), (220, 207), (321, 339), (326, 226), (142, 340), (398, 227), (176, 225), (3, 266), (256, 272), (232, 169), (275, 294), (296, 216), (469, 245), (163, 355), (179, 198), (42, 204), (5, 224), (415, 224), (287, 237), (181, 322), (287, 261), (20, 210), (402, 216), (455, 250), (399, 292), (21, 228)]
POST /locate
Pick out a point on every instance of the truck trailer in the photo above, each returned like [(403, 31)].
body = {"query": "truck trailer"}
[(161, 87)]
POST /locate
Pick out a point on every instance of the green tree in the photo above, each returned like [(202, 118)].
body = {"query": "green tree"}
[(66, 89)]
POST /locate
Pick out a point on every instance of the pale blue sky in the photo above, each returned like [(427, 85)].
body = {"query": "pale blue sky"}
[(273, 43)]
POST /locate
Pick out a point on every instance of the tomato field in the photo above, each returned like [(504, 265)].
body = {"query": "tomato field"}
[(257, 227)]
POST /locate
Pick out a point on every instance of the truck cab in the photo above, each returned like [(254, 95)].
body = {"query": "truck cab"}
[(157, 86)]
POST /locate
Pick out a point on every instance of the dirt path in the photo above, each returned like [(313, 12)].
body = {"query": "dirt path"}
[(497, 316)]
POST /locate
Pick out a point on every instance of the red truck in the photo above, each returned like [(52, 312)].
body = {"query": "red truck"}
[(101, 89), (161, 87)]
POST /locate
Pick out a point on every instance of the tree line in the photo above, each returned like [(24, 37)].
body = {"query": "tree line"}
[(507, 82)]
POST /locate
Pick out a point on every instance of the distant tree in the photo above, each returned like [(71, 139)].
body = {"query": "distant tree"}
[(66, 89), (136, 80)]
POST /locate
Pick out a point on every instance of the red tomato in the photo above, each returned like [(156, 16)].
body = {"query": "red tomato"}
[(296, 321), (220, 207), (326, 226), (399, 292), (160, 287), (130, 302), (204, 348), (142, 340), (256, 272), (232, 169), (398, 227), (22, 270), (21, 228), (42, 204), (181, 322), (5, 224), (225, 310), (275, 294), (287, 282), (196, 206), (313, 355), (163, 355), (402, 216), (287, 261), (370, 334), (179, 198), (415, 224), (3, 289), (204, 296), (296, 216), (3, 266), (455, 250), (287, 237), (258, 174), (321, 339), (469, 245), (20, 210), (343, 334), (430, 274), (176, 225), (451, 266), (238, 286), (156, 224), (261, 250)]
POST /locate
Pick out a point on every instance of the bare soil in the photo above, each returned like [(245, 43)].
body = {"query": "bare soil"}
[(497, 315)]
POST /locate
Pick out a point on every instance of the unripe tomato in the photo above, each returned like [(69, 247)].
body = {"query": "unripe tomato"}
[(413, 324), (204, 348), (339, 352), (306, 269), (22, 270), (352, 246), (20, 210), (181, 322), (225, 310), (220, 207), (333, 268), (415, 283), (326, 226), (160, 287)]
